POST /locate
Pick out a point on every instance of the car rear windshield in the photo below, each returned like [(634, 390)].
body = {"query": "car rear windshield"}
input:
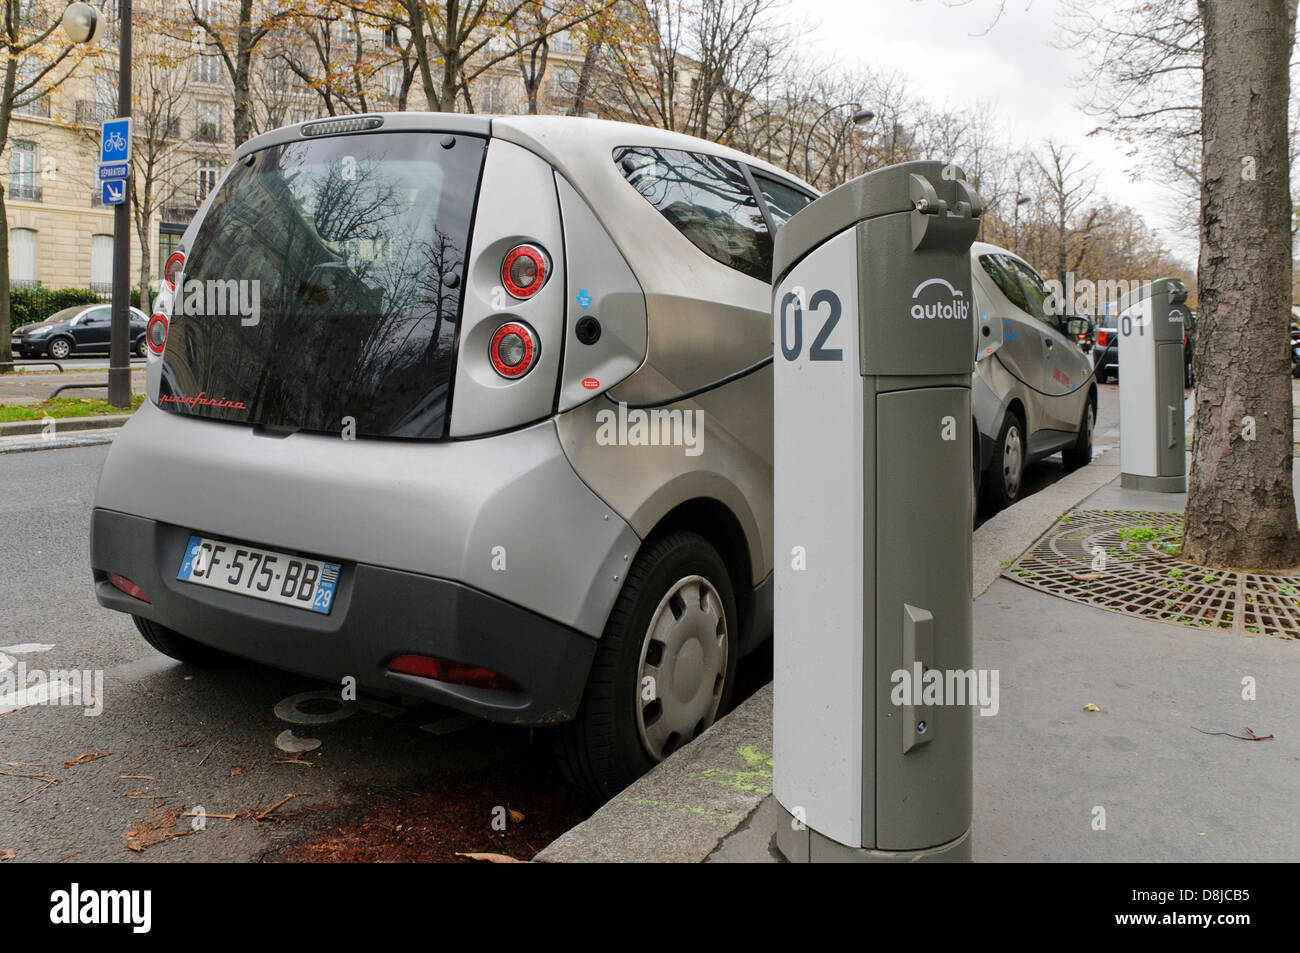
[(323, 289)]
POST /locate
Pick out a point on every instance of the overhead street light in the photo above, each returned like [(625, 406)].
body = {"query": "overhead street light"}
[(83, 23)]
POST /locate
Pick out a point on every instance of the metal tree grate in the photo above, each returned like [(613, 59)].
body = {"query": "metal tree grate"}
[(1118, 560)]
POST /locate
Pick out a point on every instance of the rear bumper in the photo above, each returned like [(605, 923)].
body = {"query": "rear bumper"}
[(377, 614)]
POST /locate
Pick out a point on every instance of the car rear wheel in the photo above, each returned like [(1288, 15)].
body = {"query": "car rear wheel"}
[(183, 649), (1001, 484), (1080, 455), (1102, 374), (60, 348), (141, 348), (663, 671)]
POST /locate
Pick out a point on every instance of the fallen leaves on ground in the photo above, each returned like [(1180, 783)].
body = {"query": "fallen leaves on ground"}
[(154, 828), (458, 824), (87, 756), (492, 858), (1249, 736), (1091, 707), (7, 855)]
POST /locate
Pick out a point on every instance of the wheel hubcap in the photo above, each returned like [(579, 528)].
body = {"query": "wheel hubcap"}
[(1012, 457), (683, 667), (59, 349)]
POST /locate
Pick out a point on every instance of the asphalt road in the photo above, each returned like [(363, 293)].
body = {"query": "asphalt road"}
[(188, 738)]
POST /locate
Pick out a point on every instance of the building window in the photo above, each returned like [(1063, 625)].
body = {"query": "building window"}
[(564, 79), (101, 263), (492, 100), (22, 258), (31, 104), (168, 241), (563, 42), (393, 77), (277, 76), (207, 68), (207, 180), (24, 164), (207, 124)]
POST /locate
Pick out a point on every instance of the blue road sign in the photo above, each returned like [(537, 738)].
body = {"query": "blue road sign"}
[(115, 141), (114, 191), (116, 171)]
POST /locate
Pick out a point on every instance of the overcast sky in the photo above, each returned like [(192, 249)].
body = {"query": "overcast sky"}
[(1017, 66)]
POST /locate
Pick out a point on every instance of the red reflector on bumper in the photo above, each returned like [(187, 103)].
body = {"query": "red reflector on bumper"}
[(453, 673), (127, 586)]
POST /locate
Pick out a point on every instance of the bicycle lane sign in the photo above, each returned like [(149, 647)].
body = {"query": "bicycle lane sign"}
[(115, 141)]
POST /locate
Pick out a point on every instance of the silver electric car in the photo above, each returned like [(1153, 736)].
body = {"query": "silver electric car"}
[(471, 409), (1033, 392)]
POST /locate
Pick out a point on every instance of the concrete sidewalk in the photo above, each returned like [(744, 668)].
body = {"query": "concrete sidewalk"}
[(1044, 765)]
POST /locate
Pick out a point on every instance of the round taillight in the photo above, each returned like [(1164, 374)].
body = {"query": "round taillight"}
[(155, 333), (172, 270), (524, 270), (513, 350)]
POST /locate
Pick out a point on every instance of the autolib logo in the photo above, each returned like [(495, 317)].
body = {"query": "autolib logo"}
[(955, 308)]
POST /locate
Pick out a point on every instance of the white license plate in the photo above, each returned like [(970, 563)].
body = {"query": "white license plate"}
[(260, 573)]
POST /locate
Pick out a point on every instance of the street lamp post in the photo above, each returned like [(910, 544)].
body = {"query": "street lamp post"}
[(1021, 199), (84, 24)]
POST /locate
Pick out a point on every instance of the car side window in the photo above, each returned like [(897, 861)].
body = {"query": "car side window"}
[(1036, 291), (707, 199), (993, 266), (782, 200), (96, 316)]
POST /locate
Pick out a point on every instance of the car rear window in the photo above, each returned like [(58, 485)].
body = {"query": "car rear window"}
[(707, 199), (349, 250)]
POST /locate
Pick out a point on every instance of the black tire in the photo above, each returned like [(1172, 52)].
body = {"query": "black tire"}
[(177, 646), (1103, 375), (1080, 455), (141, 348), (601, 751), (997, 489), (59, 344)]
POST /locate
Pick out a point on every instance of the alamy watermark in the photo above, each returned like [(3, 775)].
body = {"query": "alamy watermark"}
[(653, 427), (949, 687), (21, 687), (1086, 296), (219, 297)]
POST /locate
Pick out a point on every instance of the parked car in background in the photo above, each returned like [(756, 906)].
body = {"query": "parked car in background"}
[(82, 329), (1105, 356), (1034, 395)]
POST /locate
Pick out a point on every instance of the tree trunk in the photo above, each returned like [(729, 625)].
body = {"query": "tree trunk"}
[(585, 75), (1241, 507), (243, 74)]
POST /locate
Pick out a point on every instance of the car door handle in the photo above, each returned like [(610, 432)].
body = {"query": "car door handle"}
[(1047, 342)]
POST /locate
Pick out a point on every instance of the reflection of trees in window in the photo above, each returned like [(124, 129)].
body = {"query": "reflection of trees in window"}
[(352, 252), (708, 200)]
